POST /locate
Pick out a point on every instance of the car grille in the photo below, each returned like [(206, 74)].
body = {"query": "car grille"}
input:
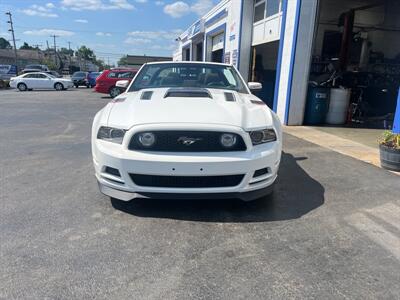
[(171, 141), (186, 181)]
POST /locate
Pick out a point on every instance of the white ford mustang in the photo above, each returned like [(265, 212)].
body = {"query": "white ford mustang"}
[(186, 130), (39, 80)]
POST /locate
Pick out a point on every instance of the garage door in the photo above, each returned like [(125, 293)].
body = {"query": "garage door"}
[(218, 42)]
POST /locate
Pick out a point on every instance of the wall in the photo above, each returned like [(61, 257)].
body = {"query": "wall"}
[(382, 16)]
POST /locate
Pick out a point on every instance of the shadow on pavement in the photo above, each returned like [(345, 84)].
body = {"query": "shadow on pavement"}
[(296, 194)]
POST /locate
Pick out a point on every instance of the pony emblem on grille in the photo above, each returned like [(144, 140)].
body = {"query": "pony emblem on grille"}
[(187, 141)]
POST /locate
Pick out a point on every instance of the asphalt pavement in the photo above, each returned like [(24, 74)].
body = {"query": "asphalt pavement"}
[(331, 230)]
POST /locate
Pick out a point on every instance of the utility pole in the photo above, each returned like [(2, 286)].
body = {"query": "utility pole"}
[(38, 50), (55, 48), (69, 49), (13, 37)]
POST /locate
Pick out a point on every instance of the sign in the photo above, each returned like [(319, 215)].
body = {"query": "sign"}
[(234, 57), (396, 123), (8, 71), (227, 58)]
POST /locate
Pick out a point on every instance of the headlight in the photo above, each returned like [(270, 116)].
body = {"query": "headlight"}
[(146, 139), (262, 136), (110, 134), (228, 140)]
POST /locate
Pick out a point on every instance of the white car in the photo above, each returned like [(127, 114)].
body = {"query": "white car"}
[(186, 130), (39, 80)]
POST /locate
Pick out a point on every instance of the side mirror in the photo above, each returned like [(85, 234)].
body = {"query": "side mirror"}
[(122, 84), (254, 86)]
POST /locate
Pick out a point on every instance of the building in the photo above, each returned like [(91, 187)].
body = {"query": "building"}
[(139, 60), (285, 44)]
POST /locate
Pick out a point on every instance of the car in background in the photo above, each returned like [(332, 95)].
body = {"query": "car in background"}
[(91, 79), (54, 73), (106, 82), (79, 78), (41, 81), (35, 68)]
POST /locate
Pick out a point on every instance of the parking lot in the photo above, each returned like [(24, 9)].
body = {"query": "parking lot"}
[(330, 231)]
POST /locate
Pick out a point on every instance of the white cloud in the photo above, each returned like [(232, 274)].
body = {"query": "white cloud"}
[(177, 9), (137, 41), (40, 11), (103, 33), (159, 3), (201, 7), (48, 32), (81, 21), (161, 34), (79, 5)]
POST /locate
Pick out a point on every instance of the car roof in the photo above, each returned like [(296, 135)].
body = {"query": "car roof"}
[(35, 73), (189, 62)]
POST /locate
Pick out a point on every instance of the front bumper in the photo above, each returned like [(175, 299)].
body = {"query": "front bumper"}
[(106, 154)]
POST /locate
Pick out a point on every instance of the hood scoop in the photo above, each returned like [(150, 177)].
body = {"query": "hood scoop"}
[(146, 95), (188, 93), (230, 97)]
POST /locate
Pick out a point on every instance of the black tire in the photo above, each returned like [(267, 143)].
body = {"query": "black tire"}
[(87, 86), (22, 87), (114, 92), (58, 86), (76, 85)]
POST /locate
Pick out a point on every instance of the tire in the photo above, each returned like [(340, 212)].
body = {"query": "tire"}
[(87, 86), (22, 87), (58, 86), (114, 92), (76, 85)]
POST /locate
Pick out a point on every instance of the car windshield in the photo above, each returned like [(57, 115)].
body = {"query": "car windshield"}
[(79, 74), (188, 75)]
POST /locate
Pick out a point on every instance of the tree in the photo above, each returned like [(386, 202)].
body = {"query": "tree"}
[(66, 51), (123, 61), (86, 53), (4, 44), (26, 46)]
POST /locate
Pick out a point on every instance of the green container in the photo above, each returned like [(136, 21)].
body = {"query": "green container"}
[(317, 105)]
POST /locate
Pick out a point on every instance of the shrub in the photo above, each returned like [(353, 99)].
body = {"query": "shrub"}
[(390, 139)]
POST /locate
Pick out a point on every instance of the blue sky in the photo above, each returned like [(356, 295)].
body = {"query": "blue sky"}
[(110, 27)]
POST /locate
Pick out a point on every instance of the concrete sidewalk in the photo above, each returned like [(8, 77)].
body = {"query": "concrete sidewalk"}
[(337, 143)]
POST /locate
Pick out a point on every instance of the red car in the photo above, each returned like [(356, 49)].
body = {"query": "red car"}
[(105, 83)]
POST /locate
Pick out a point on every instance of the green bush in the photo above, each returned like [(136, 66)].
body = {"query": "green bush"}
[(390, 139)]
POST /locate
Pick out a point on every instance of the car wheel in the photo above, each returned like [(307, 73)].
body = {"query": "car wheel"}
[(22, 87), (58, 86), (87, 86), (76, 85), (114, 92)]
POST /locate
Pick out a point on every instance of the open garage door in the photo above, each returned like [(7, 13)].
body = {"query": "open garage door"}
[(356, 63)]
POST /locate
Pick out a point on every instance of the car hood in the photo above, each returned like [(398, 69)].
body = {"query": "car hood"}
[(128, 110)]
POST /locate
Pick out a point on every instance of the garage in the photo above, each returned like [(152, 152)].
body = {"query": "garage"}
[(355, 64)]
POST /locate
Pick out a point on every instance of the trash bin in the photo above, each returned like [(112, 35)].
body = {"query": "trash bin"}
[(339, 100), (317, 105)]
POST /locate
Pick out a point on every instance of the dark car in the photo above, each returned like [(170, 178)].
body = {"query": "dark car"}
[(35, 68), (54, 73), (79, 78), (91, 79)]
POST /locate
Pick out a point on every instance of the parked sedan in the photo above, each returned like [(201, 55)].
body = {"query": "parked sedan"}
[(79, 78), (91, 79), (39, 80), (187, 130)]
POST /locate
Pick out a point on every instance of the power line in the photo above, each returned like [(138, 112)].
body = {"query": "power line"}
[(55, 48), (13, 37)]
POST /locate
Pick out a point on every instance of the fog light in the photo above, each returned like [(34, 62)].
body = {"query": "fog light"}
[(228, 140), (147, 139)]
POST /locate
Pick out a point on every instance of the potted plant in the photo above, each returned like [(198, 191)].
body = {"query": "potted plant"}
[(389, 148)]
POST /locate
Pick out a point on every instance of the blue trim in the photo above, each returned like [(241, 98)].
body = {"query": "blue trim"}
[(280, 52), (221, 28), (216, 17), (292, 60), (240, 36)]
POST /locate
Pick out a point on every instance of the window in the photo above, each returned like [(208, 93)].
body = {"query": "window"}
[(188, 75), (259, 10), (272, 7), (41, 76), (29, 76)]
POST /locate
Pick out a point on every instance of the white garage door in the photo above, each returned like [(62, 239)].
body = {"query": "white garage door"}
[(218, 42)]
